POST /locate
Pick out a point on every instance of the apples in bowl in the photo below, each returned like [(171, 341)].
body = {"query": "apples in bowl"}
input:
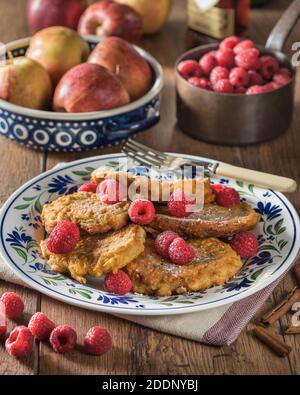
[(98, 110)]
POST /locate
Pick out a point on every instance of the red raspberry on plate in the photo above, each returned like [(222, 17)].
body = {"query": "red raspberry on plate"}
[(218, 73), (111, 192), (247, 59), (118, 283), (200, 82), (89, 186), (14, 305), (63, 339), (225, 57), (269, 66), (255, 78), (180, 252), (3, 320), (239, 77), (163, 241), (270, 86), (255, 89), (245, 244), (20, 342), (230, 42), (189, 68), (97, 341), (208, 62), (281, 78), (242, 46), (141, 212), (63, 238), (178, 204), (240, 90), (223, 86), (40, 326), (228, 197)]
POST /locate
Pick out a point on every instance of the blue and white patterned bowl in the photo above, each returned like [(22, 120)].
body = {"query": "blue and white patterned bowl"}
[(52, 131)]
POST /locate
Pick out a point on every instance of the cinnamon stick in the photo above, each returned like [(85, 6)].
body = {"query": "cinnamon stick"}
[(273, 342), (282, 308), (296, 272)]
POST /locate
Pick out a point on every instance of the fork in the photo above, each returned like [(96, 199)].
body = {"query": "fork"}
[(147, 156)]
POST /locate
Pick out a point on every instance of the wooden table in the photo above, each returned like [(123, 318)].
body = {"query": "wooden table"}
[(138, 350)]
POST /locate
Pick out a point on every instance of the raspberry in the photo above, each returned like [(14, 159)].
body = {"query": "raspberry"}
[(229, 42), (240, 90), (181, 252), (217, 187), (218, 73), (247, 59), (178, 203), (255, 89), (63, 339), (243, 45), (97, 341), (245, 244), (270, 86), (225, 57), (281, 78), (63, 238), (163, 241), (141, 212), (118, 283), (14, 305), (40, 326), (228, 197), (208, 62), (89, 186), (111, 192), (269, 66), (239, 77), (200, 82), (3, 320), (286, 71), (20, 342), (189, 68), (255, 78), (223, 86)]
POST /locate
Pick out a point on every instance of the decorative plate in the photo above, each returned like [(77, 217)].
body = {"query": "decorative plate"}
[(21, 231)]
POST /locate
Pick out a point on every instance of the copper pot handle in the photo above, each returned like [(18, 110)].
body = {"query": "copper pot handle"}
[(283, 27)]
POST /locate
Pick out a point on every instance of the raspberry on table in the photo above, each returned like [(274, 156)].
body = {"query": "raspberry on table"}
[(255, 78), (228, 197), (111, 192), (230, 42), (242, 46), (20, 342), (3, 319), (218, 73), (269, 66), (200, 82), (180, 252), (255, 89), (281, 78), (89, 186), (63, 339), (40, 326), (14, 305), (247, 59), (189, 68), (245, 244), (208, 62), (239, 77), (97, 341), (225, 57), (178, 204), (163, 241), (118, 283), (63, 238), (141, 211), (223, 86)]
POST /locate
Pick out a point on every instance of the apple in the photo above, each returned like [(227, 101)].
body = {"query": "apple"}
[(154, 13), (107, 18), (25, 82), (120, 57), (58, 49), (89, 87), (46, 13)]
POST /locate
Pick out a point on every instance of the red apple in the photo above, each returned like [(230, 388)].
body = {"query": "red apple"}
[(107, 18), (126, 63), (89, 87), (45, 13)]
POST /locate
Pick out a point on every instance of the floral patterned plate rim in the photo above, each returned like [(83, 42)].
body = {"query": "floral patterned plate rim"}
[(21, 230)]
